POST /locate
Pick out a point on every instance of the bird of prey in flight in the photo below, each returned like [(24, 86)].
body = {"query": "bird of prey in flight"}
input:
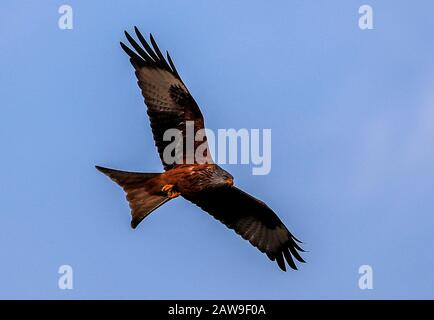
[(204, 183)]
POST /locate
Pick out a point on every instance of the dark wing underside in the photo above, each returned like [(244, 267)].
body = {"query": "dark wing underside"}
[(170, 105), (253, 220)]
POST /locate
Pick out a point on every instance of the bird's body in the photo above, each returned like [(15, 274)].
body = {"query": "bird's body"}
[(191, 179), (196, 178), (187, 179)]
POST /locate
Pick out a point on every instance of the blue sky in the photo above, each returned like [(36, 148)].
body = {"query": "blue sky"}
[(352, 119)]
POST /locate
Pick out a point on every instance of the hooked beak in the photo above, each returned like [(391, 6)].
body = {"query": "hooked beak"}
[(229, 181)]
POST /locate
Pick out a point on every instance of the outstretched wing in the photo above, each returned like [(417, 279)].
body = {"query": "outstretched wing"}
[(170, 105), (253, 220)]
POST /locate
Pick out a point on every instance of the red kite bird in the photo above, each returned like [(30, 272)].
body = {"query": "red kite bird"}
[(204, 183)]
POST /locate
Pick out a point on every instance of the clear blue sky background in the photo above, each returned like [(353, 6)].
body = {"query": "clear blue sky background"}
[(352, 119)]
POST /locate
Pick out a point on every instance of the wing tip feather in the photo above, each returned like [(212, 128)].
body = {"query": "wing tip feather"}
[(147, 54)]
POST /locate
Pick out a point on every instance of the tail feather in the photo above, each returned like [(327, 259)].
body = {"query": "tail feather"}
[(142, 189)]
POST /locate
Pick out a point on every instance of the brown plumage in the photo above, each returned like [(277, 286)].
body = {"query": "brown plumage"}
[(199, 180)]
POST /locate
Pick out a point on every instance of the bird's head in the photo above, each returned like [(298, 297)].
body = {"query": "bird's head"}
[(224, 177), (229, 181)]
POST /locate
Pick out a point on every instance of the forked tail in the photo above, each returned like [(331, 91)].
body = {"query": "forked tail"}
[(143, 191)]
